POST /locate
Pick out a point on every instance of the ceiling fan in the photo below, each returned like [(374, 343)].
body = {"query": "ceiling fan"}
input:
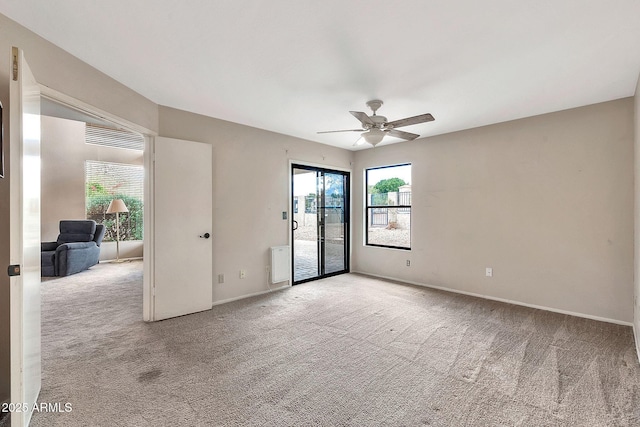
[(375, 127)]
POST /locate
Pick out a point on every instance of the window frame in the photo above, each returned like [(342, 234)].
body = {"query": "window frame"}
[(368, 207)]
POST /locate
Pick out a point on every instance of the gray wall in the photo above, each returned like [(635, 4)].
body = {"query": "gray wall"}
[(63, 154), (250, 192), (546, 201)]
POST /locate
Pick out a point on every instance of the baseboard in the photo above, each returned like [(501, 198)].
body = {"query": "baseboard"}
[(108, 261), (508, 301), (255, 294)]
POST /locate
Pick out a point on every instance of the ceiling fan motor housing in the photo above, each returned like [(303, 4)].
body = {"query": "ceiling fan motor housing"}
[(379, 121)]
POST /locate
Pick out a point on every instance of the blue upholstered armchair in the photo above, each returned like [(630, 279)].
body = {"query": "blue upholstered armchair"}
[(77, 248)]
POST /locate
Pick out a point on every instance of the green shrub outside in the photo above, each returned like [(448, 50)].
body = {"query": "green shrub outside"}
[(131, 224)]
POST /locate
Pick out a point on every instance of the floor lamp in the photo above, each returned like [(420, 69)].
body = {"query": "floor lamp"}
[(116, 206)]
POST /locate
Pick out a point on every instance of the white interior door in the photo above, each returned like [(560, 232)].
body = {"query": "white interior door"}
[(183, 217), (24, 237)]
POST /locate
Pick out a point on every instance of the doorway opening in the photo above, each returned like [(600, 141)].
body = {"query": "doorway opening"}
[(88, 163), (320, 222), (63, 112)]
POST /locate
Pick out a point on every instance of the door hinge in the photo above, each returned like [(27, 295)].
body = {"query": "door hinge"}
[(13, 270), (14, 54)]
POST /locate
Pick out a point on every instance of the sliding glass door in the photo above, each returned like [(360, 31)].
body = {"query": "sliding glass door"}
[(320, 222)]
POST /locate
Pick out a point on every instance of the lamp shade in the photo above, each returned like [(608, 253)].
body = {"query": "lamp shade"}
[(117, 205), (373, 136)]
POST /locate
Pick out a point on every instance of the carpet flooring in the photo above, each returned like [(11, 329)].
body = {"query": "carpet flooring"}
[(345, 351)]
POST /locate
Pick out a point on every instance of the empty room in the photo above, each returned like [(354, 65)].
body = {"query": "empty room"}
[(355, 213)]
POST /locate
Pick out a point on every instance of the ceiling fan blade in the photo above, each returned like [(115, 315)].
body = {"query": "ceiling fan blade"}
[(411, 120), (364, 119), (402, 134), (346, 130), (359, 141)]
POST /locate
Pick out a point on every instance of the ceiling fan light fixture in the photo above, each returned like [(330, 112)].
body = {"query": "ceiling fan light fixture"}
[(375, 127), (373, 137)]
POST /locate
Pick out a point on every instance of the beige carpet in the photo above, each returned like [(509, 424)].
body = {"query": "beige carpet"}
[(349, 350)]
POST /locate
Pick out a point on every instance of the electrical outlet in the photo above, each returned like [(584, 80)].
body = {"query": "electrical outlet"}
[(408, 263), (243, 274), (220, 278), (488, 272)]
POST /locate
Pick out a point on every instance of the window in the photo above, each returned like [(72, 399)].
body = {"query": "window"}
[(388, 206), (106, 181)]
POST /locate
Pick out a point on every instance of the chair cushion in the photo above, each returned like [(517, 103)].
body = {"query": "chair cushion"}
[(75, 257), (76, 231)]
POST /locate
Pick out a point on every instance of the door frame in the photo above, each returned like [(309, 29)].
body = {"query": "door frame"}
[(291, 213), (148, 227)]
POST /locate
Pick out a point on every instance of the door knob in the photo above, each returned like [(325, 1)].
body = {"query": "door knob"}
[(205, 236)]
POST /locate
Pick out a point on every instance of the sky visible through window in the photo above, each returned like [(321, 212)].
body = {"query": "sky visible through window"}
[(402, 172)]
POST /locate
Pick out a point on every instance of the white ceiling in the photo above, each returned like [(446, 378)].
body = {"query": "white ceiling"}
[(297, 67)]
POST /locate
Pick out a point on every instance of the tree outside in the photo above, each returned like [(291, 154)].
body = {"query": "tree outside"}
[(131, 223), (383, 187), (389, 185)]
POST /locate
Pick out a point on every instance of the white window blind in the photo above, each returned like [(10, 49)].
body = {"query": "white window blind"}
[(116, 178), (109, 137)]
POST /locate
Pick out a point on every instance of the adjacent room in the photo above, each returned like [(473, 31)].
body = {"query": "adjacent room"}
[(332, 214), (88, 163)]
